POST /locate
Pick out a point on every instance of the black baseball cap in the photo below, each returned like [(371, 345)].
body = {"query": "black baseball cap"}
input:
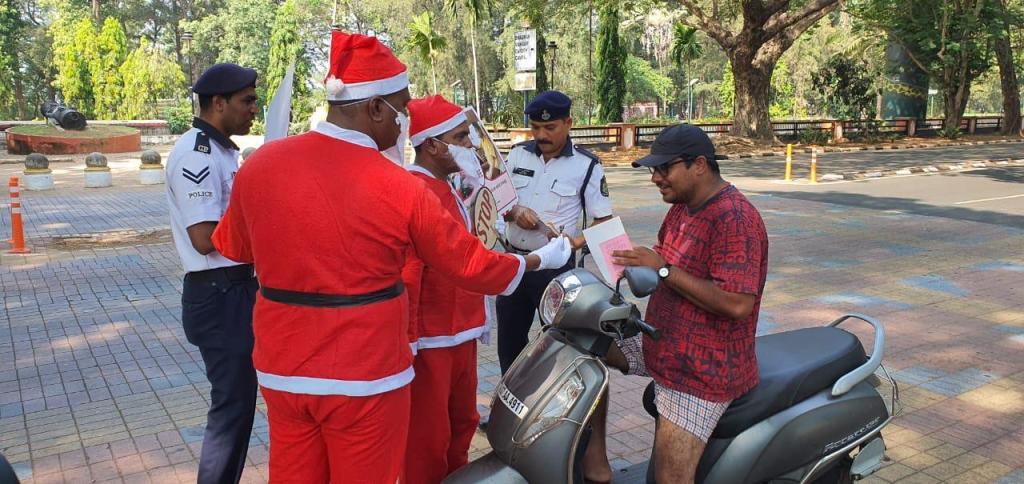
[(681, 140)]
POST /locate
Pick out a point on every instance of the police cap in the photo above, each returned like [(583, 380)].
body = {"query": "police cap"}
[(549, 106), (223, 79)]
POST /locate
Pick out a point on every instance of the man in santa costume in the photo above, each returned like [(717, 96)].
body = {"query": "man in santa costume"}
[(447, 318), (327, 220)]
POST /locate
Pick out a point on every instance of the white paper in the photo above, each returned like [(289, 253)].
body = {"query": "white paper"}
[(603, 239)]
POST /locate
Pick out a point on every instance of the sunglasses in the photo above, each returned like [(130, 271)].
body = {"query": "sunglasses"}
[(663, 169)]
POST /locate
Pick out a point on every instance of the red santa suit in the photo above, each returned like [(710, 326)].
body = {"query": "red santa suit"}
[(327, 221), (447, 321)]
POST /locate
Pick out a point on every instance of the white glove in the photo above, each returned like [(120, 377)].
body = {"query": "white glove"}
[(555, 254)]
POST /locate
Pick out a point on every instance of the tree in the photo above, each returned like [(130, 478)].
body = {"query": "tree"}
[(428, 42), (950, 40), (476, 10), (685, 49), (148, 75), (727, 92), (645, 83), (767, 28), (1007, 70), (847, 88), (611, 63), (111, 51), (74, 45)]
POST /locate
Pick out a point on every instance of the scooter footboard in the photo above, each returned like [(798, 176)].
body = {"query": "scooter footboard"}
[(798, 437), (489, 469)]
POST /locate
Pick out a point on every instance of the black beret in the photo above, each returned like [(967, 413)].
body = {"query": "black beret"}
[(224, 79), (549, 106)]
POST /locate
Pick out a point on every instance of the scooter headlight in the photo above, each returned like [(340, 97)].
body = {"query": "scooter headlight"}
[(560, 293), (556, 409)]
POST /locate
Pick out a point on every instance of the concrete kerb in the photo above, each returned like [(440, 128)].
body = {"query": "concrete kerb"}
[(840, 149), (945, 167)]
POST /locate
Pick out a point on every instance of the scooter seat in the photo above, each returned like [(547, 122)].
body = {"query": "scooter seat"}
[(793, 366)]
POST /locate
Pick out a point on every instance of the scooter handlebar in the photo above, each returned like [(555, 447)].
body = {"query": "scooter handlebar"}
[(647, 329)]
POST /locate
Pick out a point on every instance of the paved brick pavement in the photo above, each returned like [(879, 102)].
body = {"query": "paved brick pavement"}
[(97, 382)]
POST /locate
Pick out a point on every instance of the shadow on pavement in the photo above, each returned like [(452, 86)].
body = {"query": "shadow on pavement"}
[(1009, 174)]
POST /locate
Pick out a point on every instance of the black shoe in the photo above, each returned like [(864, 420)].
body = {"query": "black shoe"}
[(483, 422)]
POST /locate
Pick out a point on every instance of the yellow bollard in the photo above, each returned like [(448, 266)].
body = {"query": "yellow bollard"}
[(789, 161), (814, 166)]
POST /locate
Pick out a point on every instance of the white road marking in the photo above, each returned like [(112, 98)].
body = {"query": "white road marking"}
[(965, 202)]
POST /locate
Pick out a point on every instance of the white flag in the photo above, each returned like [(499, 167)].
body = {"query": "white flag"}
[(279, 114)]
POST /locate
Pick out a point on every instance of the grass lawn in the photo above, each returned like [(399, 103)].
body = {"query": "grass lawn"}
[(99, 131)]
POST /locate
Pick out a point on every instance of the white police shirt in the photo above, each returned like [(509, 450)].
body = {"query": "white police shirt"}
[(200, 171), (552, 190)]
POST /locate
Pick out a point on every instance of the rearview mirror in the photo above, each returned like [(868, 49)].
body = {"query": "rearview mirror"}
[(642, 280)]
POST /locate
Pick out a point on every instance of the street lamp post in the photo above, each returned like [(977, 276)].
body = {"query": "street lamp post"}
[(689, 104), (931, 107), (553, 47), (186, 37)]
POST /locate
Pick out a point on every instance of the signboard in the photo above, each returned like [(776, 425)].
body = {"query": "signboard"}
[(525, 44), (496, 177), (485, 218), (525, 81)]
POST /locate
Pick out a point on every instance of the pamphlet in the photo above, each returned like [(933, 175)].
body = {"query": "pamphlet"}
[(603, 239)]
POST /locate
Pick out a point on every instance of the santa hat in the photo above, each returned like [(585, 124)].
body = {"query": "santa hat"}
[(362, 67), (432, 116)]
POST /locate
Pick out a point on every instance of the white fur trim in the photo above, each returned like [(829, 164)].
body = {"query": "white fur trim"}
[(327, 386), (334, 86), (363, 90), (438, 129)]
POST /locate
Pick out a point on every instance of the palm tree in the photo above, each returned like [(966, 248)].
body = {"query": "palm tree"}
[(476, 10), (685, 49), (426, 40)]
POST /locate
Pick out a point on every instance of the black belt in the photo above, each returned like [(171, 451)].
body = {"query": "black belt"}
[(516, 250), (239, 273), (297, 298)]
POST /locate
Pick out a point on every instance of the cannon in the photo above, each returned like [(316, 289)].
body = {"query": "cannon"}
[(63, 115)]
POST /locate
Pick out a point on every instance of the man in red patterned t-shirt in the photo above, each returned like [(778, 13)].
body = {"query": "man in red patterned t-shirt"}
[(712, 259)]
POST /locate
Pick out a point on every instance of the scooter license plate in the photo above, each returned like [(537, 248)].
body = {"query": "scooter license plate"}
[(513, 403)]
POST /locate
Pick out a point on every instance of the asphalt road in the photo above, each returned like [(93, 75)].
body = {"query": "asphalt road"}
[(988, 195)]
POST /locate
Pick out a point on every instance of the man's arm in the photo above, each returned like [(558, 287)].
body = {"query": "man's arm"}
[(702, 292), (201, 237)]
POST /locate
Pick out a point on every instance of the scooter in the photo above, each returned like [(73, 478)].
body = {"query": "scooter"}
[(816, 415)]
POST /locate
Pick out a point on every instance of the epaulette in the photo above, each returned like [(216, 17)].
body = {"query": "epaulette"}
[(585, 152), (202, 143)]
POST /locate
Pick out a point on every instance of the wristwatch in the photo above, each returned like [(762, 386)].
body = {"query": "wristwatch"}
[(663, 272)]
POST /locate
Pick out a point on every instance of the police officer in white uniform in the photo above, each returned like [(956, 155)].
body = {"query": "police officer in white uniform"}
[(557, 184), (217, 294)]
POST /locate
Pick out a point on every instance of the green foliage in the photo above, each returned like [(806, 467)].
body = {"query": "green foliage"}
[(727, 92), (178, 117), (782, 93), (611, 66), (685, 47), (644, 82), (951, 41), (424, 39), (11, 27), (236, 32), (848, 90), (950, 132), (814, 137), (286, 46), (111, 51), (869, 131), (74, 42), (149, 75)]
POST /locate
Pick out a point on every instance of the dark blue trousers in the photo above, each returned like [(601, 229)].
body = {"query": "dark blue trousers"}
[(216, 313), (517, 310)]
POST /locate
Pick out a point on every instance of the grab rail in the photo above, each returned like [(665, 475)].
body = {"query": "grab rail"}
[(862, 372)]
